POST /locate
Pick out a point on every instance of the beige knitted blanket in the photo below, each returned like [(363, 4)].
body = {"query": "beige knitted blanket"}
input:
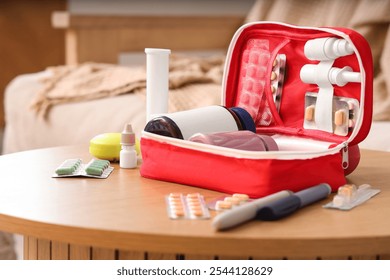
[(95, 80), (371, 18)]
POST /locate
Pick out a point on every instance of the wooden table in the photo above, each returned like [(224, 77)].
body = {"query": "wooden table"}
[(124, 217)]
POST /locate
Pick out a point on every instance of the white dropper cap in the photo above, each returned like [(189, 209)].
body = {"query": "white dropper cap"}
[(128, 135), (128, 155)]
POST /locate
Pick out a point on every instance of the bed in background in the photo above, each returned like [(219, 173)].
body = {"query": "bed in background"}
[(109, 39)]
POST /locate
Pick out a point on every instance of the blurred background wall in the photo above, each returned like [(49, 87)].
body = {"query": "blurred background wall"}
[(28, 43)]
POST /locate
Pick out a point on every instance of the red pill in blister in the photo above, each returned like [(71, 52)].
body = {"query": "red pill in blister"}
[(251, 71), (245, 56), (258, 44), (255, 101), (266, 117), (261, 72), (264, 59), (248, 84), (243, 70), (258, 87), (252, 111), (245, 97), (254, 57)]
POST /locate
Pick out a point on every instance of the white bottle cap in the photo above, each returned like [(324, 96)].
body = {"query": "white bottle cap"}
[(313, 74), (128, 155), (328, 48), (128, 135)]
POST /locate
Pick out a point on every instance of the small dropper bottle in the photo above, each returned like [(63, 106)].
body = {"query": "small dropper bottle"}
[(128, 155)]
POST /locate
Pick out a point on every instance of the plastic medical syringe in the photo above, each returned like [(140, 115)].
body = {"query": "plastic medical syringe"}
[(245, 212)]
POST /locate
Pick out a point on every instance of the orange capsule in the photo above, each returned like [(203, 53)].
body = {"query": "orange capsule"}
[(223, 205), (309, 113), (193, 196), (197, 212), (232, 200), (339, 117), (179, 212), (175, 195)]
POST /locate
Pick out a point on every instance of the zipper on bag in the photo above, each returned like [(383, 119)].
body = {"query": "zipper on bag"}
[(344, 151), (235, 153)]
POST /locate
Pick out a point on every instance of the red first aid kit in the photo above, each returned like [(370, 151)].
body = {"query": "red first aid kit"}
[(308, 88)]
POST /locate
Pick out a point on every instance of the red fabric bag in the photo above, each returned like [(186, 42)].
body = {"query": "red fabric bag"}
[(306, 156)]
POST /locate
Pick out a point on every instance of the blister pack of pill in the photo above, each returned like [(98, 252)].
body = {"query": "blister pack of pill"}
[(186, 206), (344, 113), (95, 168), (350, 196), (277, 78), (228, 202), (252, 80)]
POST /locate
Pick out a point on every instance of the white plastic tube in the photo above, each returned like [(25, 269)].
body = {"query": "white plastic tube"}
[(316, 74), (327, 48), (157, 82)]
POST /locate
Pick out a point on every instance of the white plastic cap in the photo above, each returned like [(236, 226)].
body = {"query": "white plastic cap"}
[(312, 74), (342, 76), (328, 48), (128, 135), (157, 51)]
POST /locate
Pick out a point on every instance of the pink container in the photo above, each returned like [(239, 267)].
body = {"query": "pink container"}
[(241, 140)]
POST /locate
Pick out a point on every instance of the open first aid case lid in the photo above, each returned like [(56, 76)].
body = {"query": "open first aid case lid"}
[(323, 69)]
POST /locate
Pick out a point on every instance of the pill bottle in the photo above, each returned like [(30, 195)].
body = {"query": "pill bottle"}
[(209, 119), (241, 140)]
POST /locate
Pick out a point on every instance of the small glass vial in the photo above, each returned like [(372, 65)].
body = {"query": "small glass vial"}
[(128, 155), (210, 119)]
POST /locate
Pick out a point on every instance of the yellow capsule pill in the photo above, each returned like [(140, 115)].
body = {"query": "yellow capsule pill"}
[(273, 75)]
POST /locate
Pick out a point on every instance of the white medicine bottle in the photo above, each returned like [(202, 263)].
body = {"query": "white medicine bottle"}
[(209, 119), (128, 155)]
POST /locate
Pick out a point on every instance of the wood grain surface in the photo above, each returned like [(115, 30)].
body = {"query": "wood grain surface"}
[(128, 213)]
